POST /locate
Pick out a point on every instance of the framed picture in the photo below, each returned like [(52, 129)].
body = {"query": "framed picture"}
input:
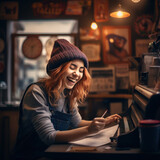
[(9, 10), (116, 44), (122, 76), (143, 25), (92, 51), (101, 13), (103, 79), (74, 7)]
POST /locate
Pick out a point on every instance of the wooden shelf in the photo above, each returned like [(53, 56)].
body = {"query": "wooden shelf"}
[(104, 95)]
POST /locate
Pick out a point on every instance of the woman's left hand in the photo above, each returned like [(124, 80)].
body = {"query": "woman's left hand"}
[(112, 118)]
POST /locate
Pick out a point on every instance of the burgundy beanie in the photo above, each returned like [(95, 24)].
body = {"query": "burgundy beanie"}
[(62, 52)]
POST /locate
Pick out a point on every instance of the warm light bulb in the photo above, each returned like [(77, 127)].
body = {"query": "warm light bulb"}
[(119, 13), (94, 25), (111, 40)]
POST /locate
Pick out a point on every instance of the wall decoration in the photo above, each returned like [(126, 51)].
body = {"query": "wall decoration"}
[(158, 17), (87, 33), (74, 7), (101, 13), (92, 51), (143, 25), (48, 9), (156, 23), (142, 46), (122, 76), (9, 10), (116, 44), (103, 79), (32, 47)]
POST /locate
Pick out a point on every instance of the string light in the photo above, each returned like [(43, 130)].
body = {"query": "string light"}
[(94, 25)]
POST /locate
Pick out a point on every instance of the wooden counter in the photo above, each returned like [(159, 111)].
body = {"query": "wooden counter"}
[(104, 95), (8, 130), (65, 152)]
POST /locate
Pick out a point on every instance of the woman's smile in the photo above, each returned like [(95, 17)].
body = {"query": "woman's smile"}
[(71, 81)]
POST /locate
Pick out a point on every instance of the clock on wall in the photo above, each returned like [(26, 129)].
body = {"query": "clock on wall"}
[(32, 47)]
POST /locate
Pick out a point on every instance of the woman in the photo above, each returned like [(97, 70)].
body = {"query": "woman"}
[(48, 109)]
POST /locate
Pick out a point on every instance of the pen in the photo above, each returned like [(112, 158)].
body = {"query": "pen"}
[(104, 113)]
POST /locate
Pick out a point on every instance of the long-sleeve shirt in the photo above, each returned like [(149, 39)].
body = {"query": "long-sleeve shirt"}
[(36, 126)]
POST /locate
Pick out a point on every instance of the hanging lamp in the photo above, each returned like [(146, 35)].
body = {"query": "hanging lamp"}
[(120, 13)]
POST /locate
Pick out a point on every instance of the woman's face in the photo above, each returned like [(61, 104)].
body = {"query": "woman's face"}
[(73, 74)]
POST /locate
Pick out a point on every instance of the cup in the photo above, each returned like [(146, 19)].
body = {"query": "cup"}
[(149, 132)]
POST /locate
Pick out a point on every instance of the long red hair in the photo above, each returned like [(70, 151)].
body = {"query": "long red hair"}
[(54, 86)]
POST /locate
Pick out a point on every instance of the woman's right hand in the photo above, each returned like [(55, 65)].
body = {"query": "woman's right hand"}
[(96, 125)]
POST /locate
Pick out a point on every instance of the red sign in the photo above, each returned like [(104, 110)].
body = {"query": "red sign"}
[(48, 9)]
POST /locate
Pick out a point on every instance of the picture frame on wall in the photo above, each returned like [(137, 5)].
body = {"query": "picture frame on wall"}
[(9, 10), (122, 76), (92, 51), (116, 44), (103, 79), (101, 11), (74, 7)]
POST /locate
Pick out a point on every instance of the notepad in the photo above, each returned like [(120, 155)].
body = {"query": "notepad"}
[(97, 139)]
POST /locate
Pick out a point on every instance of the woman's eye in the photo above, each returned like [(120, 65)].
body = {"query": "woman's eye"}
[(72, 67), (81, 70)]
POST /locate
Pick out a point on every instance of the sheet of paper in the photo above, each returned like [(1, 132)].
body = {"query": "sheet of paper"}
[(98, 139)]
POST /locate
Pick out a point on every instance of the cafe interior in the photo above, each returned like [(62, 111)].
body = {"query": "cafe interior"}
[(121, 39)]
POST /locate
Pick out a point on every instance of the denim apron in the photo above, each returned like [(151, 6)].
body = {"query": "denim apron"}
[(61, 121)]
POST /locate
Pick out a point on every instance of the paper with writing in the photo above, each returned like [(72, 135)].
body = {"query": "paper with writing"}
[(97, 139)]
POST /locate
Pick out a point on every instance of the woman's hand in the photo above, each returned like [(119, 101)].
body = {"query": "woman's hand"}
[(96, 125), (112, 118), (100, 123)]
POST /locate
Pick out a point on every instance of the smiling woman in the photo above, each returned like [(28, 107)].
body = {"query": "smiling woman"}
[(49, 108)]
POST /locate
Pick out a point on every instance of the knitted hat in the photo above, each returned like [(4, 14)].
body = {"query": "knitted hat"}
[(62, 52)]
